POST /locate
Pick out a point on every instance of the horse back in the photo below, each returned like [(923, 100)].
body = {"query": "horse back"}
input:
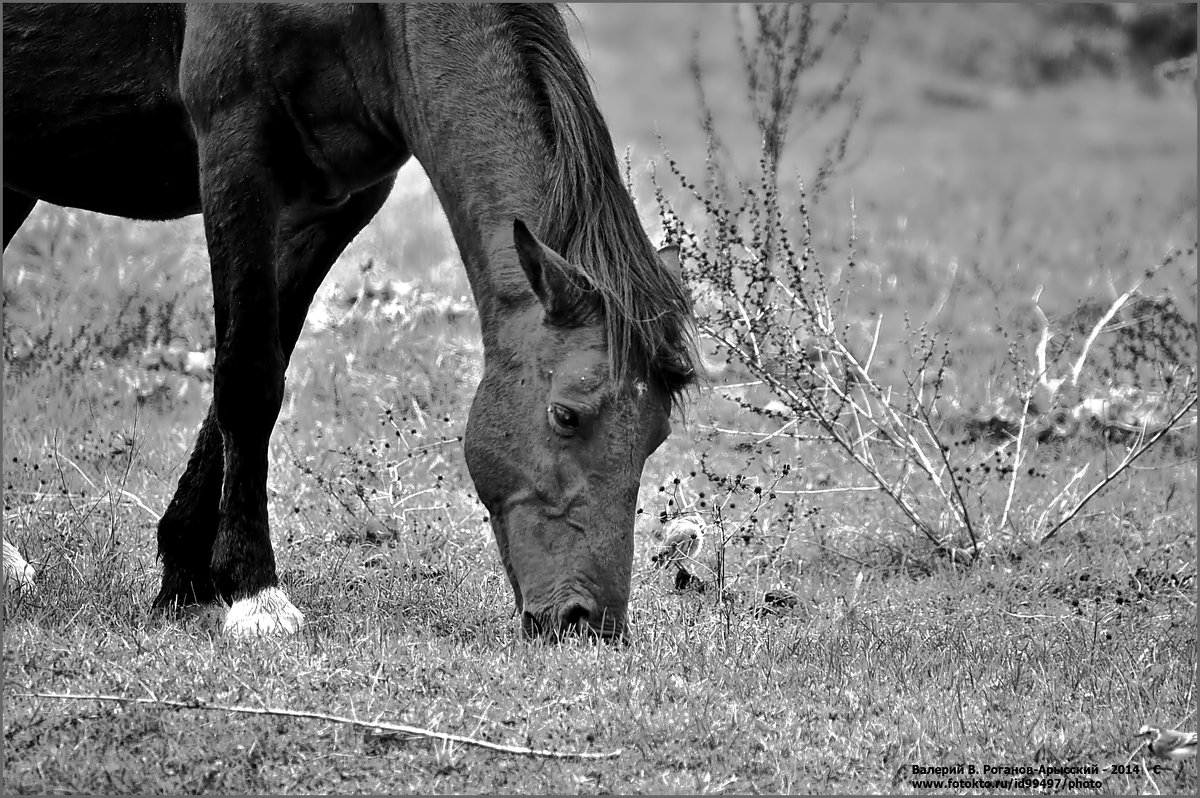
[(103, 103), (92, 111)]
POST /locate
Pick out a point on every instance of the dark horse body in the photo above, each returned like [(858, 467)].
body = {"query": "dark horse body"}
[(285, 127)]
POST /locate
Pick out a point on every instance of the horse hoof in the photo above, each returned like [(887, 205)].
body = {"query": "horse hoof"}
[(18, 574), (267, 614)]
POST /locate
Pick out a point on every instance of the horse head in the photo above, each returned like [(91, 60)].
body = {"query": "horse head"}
[(556, 442)]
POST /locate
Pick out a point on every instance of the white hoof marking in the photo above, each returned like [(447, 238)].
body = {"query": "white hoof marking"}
[(17, 573), (266, 614)]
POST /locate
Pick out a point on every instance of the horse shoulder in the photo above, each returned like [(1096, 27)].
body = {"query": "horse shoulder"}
[(312, 83)]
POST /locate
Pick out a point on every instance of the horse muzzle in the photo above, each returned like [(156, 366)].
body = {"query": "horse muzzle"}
[(577, 618)]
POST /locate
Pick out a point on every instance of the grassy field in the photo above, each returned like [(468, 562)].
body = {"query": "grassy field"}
[(968, 196)]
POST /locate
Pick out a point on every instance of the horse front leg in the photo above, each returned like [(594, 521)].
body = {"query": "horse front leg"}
[(188, 528), (241, 221), (187, 532)]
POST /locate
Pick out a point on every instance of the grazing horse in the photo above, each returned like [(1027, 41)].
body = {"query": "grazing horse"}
[(285, 126)]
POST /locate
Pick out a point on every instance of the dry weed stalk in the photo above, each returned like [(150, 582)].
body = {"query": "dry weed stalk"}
[(377, 727)]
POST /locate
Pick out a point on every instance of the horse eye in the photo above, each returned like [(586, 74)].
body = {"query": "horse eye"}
[(564, 420)]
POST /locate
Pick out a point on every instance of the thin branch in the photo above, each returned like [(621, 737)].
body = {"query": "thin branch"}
[(1078, 475), (874, 343), (959, 502), (1125, 463), (137, 500), (1077, 369), (1016, 466), (763, 436), (789, 395), (1043, 339), (58, 454), (945, 297), (815, 491), (1116, 306), (895, 424), (198, 703)]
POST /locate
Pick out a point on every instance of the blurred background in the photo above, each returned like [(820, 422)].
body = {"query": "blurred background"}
[(916, 58)]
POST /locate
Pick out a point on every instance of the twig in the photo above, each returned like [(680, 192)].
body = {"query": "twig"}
[(839, 437), (781, 430), (1136, 453), (874, 343), (58, 454), (1044, 339), (941, 303), (138, 501), (1117, 305), (1050, 505), (1016, 466), (43, 496), (1077, 369), (959, 502), (815, 491), (198, 703), (762, 435)]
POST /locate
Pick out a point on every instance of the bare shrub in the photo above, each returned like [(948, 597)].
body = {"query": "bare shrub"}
[(779, 311)]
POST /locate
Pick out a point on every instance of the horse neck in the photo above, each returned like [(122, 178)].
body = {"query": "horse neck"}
[(473, 124)]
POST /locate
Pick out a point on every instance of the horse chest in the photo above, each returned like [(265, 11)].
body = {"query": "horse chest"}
[(333, 162)]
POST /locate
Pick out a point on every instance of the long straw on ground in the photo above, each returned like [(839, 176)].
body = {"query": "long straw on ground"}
[(416, 731)]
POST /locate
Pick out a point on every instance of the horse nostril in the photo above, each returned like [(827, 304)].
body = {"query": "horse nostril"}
[(575, 617), (578, 617)]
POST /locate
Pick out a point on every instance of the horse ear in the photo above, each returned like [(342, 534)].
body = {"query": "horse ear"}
[(549, 275), (669, 256)]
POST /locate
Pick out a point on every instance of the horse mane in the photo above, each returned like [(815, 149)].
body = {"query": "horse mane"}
[(590, 218)]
